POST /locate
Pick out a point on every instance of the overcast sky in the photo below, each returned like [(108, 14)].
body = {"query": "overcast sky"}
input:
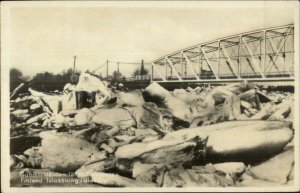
[(45, 38)]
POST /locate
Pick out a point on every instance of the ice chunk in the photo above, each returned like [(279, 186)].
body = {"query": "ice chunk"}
[(100, 166), (63, 152), (34, 106), (84, 116), (69, 101), (264, 113), (91, 83), (131, 98), (275, 169), (230, 168), (228, 141), (114, 117), (282, 111), (140, 169), (36, 118), (20, 112), (69, 87), (163, 98), (54, 101), (251, 97)]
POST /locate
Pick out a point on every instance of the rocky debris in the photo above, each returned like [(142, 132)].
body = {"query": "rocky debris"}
[(202, 137)]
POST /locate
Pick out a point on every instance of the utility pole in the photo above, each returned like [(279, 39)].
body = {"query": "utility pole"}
[(74, 64), (151, 72), (107, 69), (118, 72)]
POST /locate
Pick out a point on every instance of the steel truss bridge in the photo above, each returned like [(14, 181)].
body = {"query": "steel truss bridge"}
[(261, 55)]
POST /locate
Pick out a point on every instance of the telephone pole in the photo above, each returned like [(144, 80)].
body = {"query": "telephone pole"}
[(107, 69), (74, 64), (118, 71), (73, 74)]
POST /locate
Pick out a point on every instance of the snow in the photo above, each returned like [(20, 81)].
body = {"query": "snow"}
[(84, 116), (91, 83), (20, 112), (131, 98), (64, 152), (36, 118), (35, 106), (114, 117), (230, 167), (275, 169), (52, 100), (69, 87), (179, 108), (69, 101)]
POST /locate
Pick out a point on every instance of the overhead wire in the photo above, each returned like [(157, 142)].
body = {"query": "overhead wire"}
[(115, 62), (99, 67)]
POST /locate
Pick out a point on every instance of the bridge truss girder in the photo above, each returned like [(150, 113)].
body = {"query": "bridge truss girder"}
[(264, 54)]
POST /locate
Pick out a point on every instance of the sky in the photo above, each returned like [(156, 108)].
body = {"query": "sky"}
[(45, 36)]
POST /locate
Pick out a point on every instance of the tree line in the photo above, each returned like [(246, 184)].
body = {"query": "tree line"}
[(47, 81)]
